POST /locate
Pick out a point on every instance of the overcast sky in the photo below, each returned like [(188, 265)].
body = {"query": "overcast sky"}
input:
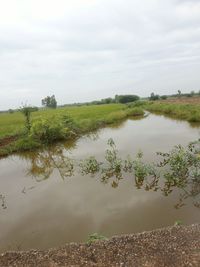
[(82, 50)]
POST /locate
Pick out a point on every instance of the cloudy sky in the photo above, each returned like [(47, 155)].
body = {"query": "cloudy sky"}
[(81, 50)]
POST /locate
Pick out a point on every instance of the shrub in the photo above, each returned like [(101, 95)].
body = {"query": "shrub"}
[(138, 103), (136, 111), (49, 130)]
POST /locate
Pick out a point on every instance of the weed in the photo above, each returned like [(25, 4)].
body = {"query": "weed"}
[(95, 237)]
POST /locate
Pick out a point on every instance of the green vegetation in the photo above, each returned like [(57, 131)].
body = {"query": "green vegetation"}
[(154, 97), (126, 98), (26, 111), (95, 237), (49, 102), (46, 126), (50, 125), (178, 222), (177, 170), (187, 112)]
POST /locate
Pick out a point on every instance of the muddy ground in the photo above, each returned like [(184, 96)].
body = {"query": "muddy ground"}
[(172, 246)]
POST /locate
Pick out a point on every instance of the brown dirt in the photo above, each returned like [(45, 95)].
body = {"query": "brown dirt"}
[(173, 246), (183, 100), (7, 140)]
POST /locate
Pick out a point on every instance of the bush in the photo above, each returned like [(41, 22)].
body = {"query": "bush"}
[(49, 130), (138, 103), (136, 112)]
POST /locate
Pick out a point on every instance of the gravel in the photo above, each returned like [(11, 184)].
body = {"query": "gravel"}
[(172, 246)]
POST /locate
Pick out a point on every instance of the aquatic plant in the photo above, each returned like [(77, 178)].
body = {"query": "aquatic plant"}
[(95, 237)]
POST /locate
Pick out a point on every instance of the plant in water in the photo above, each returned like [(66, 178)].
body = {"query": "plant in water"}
[(3, 201), (177, 169), (178, 222), (89, 166), (95, 237)]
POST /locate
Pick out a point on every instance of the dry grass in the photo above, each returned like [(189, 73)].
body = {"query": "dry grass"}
[(195, 100)]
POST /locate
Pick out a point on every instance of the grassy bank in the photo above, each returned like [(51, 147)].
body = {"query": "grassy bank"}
[(187, 112), (48, 126)]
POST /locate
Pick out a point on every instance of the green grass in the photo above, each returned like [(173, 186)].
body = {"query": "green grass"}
[(11, 124), (186, 112), (50, 125)]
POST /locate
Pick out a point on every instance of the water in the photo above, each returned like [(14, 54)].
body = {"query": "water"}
[(43, 209)]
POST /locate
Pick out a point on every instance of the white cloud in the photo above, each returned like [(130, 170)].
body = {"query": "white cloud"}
[(82, 50)]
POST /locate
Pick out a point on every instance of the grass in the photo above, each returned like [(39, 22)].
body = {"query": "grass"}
[(11, 124), (186, 112), (51, 125)]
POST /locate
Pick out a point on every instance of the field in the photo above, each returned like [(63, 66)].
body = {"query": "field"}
[(50, 125), (12, 124), (183, 109)]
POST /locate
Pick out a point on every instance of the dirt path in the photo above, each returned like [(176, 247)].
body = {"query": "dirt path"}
[(173, 246)]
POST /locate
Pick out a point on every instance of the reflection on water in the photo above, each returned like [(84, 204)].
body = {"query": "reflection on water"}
[(51, 198), (171, 117), (113, 169)]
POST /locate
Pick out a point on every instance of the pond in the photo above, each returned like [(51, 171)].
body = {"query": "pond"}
[(41, 208)]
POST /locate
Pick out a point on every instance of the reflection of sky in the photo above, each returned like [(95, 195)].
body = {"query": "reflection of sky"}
[(53, 212), (152, 134)]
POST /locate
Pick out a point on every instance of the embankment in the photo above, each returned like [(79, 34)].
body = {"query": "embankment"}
[(172, 246)]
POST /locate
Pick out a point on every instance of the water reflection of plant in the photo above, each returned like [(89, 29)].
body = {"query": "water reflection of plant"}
[(43, 163), (3, 201), (178, 169)]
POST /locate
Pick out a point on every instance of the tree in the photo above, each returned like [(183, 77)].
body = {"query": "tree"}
[(192, 93), (126, 98), (154, 97), (49, 102), (179, 93), (163, 97)]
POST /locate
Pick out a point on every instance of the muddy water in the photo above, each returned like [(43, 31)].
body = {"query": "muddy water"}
[(42, 209)]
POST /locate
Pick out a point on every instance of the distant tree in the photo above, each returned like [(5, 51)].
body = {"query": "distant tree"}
[(126, 98), (11, 111), (49, 102), (163, 97), (154, 97), (179, 93), (116, 99), (192, 93), (107, 100), (33, 109)]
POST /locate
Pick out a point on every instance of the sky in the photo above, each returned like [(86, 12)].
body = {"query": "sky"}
[(83, 50)]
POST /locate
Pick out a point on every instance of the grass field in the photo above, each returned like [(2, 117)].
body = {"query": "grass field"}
[(180, 110), (50, 125), (11, 124)]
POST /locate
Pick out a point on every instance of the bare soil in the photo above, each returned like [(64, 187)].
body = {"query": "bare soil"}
[(173, 246), (7, 140), (195, 100)]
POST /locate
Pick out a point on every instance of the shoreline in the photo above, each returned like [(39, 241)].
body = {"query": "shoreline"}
[(170, 246)]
